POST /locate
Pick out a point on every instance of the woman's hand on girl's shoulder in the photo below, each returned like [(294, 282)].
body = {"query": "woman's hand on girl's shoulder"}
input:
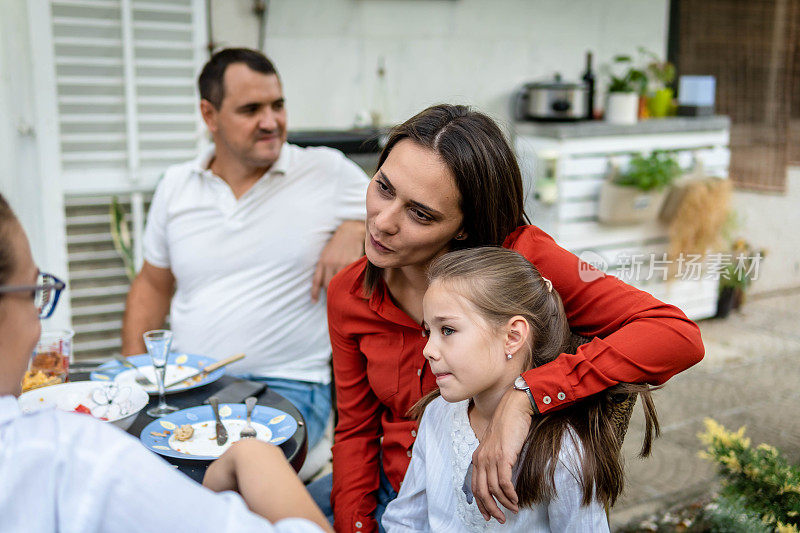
[(497, 454)]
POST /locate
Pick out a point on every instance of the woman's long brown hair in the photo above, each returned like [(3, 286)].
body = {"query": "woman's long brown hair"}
[(483, 164), (501, 284)]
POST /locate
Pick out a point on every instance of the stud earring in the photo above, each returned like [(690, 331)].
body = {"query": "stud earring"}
[(460, 237), (508, 356)]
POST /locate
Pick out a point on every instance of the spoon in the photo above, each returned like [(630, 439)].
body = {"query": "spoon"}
[(249, 431)]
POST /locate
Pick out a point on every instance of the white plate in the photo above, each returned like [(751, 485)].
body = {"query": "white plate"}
[(119, 403), (179, 365), (272, 425)]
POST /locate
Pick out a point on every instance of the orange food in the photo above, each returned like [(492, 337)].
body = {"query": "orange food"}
[(35, 379)]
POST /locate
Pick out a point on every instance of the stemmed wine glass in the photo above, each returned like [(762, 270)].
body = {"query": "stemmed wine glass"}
[(158, 342)]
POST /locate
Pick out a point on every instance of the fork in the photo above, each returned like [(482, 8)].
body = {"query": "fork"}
[(141, 379), (249, 431)]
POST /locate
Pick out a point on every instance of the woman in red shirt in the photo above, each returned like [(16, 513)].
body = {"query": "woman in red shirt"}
[(447, 179)]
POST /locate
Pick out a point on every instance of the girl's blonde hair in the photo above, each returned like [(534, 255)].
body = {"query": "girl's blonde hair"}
[(502, 284)]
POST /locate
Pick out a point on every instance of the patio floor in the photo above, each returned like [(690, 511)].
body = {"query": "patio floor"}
[(749, 377)]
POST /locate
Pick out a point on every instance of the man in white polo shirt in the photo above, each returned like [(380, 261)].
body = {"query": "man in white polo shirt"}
[(246, 235)]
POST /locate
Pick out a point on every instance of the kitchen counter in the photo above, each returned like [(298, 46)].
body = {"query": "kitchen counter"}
[(355, 141), (599, 128)]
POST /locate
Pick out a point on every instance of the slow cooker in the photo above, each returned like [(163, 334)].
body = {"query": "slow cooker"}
[(552, 100)]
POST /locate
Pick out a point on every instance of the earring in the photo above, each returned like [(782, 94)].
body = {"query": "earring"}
[(460, 237), (508, 356)]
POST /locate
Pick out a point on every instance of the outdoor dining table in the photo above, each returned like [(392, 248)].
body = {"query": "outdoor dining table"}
[(294, 449)]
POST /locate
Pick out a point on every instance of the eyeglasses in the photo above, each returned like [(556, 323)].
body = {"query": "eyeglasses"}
[(45, 293)]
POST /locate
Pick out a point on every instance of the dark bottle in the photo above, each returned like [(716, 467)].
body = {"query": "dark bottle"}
[(588, 78)]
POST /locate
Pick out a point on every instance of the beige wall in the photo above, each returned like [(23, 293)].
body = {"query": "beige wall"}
[(772, 221), (476, 52), (458, 51)]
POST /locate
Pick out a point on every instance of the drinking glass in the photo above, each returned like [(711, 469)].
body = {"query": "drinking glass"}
[(50, 360), (158, 343)]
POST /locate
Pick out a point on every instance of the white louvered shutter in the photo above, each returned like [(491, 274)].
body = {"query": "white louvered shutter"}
[(97, 278), (125, 73)]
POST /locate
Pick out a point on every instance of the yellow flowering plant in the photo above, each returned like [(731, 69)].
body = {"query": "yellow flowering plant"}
[(758, 483)]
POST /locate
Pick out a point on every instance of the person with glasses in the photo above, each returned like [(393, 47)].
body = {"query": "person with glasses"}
[(46, 292), (70, 472)]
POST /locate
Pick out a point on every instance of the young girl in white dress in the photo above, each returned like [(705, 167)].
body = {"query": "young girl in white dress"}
[(490, 316)]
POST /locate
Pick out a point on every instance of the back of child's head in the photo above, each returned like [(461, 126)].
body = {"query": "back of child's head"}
[(501, 284)]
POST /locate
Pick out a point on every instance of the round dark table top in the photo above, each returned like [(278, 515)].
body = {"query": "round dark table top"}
[(295, 448)]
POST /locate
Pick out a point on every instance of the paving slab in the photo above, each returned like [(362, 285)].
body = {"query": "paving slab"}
[(749, 377)]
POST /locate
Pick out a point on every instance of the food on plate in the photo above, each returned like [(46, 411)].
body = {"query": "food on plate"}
[(46, 368), (80, 408), (184, 432), (35, 379)]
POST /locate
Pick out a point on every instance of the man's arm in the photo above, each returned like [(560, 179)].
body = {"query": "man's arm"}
[(146, 307), (345, 246)]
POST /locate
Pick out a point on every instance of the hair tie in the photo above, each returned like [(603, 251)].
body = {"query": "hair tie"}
[(548, 283)]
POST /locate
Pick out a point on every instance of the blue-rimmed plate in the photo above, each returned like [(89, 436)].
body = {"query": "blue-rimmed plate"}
[(271, 425), (178, 365)]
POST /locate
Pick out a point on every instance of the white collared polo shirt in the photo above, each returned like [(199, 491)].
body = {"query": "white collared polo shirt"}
[(243, 268)]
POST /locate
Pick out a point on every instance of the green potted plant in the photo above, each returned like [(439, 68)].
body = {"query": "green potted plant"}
[(626, 83), (636, 195), (660, 74), (736, 276)]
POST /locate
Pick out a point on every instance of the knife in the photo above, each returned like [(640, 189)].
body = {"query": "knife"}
[(222, 434), (208, 369)]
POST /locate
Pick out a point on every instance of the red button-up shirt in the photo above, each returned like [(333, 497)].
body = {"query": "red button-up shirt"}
[(380, 371)]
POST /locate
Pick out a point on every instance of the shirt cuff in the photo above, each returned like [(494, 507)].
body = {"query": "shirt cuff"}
[(549, 387), (360, 523)]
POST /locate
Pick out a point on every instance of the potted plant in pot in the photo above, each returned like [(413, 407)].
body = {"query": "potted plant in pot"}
[(636, 195), (624, 88), (736, 275), (660, 74)]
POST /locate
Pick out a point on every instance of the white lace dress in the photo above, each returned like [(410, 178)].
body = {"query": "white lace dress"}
[(431, 496)]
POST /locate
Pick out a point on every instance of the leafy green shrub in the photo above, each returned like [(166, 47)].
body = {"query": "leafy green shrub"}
[(656, 171), (758, 483)]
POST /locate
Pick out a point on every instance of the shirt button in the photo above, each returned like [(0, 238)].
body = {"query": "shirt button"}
[(547, 400), (419, 372), (413, 433), (358, 524), (561, 395), (408, 453)]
